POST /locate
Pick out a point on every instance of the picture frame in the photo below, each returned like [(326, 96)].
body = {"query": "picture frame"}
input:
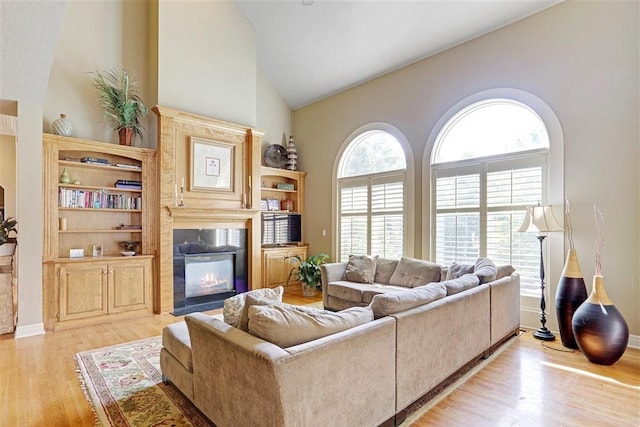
[(263, 205), (273, 204), (97, 251), (212, 166)]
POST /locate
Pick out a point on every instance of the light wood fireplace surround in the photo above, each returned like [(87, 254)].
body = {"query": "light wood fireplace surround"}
[(208, 199)]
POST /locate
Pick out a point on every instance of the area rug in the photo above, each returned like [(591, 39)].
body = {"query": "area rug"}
[(124, 385)]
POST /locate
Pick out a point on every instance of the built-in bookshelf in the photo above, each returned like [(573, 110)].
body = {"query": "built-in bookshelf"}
[(97, 196)]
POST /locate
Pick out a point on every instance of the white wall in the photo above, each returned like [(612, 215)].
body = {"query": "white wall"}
[(582, 59)]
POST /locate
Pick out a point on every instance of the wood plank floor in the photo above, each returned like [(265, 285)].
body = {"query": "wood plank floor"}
[(529, 383)]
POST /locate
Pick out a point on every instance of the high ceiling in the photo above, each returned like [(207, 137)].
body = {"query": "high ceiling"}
[(312, 49)]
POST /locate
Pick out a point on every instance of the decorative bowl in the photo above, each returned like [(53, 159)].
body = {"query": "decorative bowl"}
[(127, 253), (129, 245)]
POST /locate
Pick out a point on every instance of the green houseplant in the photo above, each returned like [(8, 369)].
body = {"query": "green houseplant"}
[(8, 243), (307, 272), (122, 105)]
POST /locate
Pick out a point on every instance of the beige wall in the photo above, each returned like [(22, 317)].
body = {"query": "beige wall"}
[(581, 58), (275, 117)]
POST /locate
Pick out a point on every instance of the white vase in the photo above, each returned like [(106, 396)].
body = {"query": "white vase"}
[(61, 126), (292, 155)]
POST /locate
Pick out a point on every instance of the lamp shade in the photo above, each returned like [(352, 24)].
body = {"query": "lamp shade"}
[(540, 219)]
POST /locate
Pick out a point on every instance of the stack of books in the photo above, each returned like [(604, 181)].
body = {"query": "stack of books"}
[(129, 184)]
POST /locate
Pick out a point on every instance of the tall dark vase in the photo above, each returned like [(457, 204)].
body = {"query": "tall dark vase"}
[(599, 328), (571, 293)]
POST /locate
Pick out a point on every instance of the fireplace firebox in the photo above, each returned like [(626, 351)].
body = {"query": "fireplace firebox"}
[(209, 265)]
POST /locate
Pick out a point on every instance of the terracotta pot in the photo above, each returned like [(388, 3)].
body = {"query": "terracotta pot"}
[(125, 135), (599, 328)]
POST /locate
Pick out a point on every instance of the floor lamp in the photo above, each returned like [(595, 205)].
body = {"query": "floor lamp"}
[(539, 219)]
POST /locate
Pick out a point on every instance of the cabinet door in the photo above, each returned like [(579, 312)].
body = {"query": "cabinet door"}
[(82, 290), (274, 268), (129, 285), (291, 263)]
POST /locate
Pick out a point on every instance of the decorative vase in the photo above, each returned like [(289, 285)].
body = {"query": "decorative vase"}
[(292, 155), (570, 294), (61, 126), (125, 135), (599, 328), (64, 177)]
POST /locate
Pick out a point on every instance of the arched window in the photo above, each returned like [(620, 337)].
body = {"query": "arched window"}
[(489, 162), (371, 196)]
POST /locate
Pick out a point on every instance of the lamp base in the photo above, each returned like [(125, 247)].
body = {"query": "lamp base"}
[(544, 334)]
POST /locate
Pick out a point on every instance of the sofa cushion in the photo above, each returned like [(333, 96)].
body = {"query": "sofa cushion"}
[(237, 315), (175, 338), (412, 272), (348, 291), (504, 271), (377, 289), (285, 325), (485, 269), (361, 268), (456, 270), (460, 284), (384, 269), (394, 302)]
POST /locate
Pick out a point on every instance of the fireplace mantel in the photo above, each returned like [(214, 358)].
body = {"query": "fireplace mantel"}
[(204, 209), (190, 214)]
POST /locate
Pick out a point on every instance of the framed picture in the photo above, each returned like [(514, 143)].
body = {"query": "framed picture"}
[(212, 165), (97, 251), (263, 205), (273, 204)]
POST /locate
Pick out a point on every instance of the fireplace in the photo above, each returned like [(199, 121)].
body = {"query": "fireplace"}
[(209, 265)]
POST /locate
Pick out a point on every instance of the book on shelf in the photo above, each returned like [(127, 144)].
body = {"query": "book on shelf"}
[(128, 184), (72, 198), (129, 227), (94, 160), (128, 166)]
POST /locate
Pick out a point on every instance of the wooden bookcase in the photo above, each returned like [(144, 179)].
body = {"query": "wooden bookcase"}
[(88, 213), (275, 265)]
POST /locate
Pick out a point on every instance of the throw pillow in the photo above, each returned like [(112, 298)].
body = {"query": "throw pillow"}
[(394, 302), (233, 309), (460, 284), (485, 269), (285, 325), (456, 270), (384, 269), (360, 268), (504, 271), (412, 272)]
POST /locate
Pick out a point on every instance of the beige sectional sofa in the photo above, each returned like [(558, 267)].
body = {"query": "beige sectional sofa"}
[(386, 354)]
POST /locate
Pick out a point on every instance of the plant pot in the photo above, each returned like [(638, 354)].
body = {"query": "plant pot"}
[(308, 291), (125, 135), (8, 249)]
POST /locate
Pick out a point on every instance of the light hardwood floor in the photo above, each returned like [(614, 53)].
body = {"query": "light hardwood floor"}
[(529, 383)]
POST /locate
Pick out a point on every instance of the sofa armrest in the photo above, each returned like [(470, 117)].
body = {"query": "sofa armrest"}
[(331, 272)]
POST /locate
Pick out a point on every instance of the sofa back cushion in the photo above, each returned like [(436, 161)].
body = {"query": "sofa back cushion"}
[(456, 270), (236, 312), (460, 284), (361, 268), (384, 269), (286, 325), (411, 272), (394, 302), (485, 269)]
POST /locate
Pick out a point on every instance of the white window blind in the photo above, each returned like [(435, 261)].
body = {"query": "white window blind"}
[(372, 216), (461, 203)]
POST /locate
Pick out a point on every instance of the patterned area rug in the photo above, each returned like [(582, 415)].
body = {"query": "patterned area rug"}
[(124, 385)]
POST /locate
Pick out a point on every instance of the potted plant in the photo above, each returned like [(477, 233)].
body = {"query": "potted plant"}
[(8, 243), (121, 102), (307, 272)]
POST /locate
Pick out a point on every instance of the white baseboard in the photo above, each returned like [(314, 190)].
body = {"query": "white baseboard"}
[(634, 341), (29, 330)]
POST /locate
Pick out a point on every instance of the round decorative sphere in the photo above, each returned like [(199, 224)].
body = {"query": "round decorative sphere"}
[(61, 126)]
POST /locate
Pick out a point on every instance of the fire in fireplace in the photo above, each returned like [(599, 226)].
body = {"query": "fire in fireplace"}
[(209, 265)]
